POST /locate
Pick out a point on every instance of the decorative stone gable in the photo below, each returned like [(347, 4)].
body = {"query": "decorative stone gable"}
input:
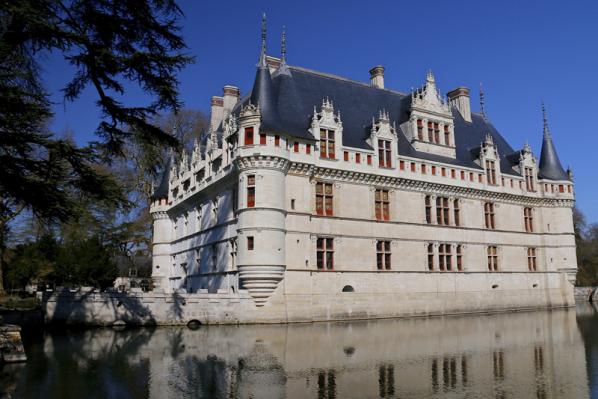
[(429, 100), (430, 127), (383, 139), (488, 149), (324, 122), (527, 159), (229, 126), (196, 154)]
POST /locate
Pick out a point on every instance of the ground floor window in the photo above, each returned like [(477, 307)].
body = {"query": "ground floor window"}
[(531, 259), (492, 258), (325, 253), (383, 255)]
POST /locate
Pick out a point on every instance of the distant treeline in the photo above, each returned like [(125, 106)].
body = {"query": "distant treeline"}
[(586, 239)]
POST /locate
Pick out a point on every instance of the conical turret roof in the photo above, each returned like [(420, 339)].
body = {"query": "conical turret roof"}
[(550, 165), (263, 94)]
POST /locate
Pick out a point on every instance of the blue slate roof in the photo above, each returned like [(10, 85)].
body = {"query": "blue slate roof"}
[(550, 165), (296, 92)]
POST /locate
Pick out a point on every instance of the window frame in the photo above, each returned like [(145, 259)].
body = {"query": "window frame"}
[(492, 253), (528, 219), (491, 172), (248, 135), (384, 153), (324, 197), (532, 263), (383, 255), (250, 196), (382, 204), (325, 253), (327, 144), (489, 213)]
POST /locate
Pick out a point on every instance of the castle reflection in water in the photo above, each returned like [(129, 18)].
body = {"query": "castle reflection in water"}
[(517, 355)]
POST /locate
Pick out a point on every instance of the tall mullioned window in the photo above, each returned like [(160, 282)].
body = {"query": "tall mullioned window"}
[(382, 205), (428, 209), (250, 191), (384, 154), (325, 253), (459, 250), (531, 259), (492, 258), (528, 220), (327, 143), (420, 130), (489, 215), (491, 172), (529, 178), (430, 256), (445, 262), (383, 255), (447, 135), (442, 211), (430, 132), (324, 199), (456, 212)]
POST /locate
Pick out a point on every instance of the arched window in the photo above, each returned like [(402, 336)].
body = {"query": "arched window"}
[(348, 288)]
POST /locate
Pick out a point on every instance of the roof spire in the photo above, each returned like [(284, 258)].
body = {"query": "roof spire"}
[(482, 102), (283, 45), (545, 120), (263, 50), (550, 166)]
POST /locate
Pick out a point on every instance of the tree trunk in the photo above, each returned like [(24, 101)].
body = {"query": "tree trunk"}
[(2, 293)]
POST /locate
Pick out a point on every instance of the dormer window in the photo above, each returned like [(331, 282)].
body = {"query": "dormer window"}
[(384, 154), (327, 143), (529, 178), (431, 112), (490, 172)]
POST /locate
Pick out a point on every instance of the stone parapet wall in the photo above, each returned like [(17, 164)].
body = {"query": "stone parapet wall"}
[(301, 297)]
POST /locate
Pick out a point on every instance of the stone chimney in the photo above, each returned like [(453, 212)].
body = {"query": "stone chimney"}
[(459, 98), (217, 112), (231, 96), (377, 76)]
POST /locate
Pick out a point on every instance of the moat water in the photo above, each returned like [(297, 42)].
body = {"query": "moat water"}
[(543, 354)]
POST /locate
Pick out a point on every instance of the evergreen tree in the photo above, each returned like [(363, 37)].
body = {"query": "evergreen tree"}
[(109, 44)]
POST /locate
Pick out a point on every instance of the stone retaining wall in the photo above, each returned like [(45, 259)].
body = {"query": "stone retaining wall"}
[(306, 297)]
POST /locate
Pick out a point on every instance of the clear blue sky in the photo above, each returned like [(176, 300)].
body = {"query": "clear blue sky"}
[(522, 51)]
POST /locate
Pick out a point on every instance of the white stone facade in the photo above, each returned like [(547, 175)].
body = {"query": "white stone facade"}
[(248, 216)]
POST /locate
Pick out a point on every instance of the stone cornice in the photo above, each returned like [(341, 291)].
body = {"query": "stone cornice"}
[(348, 176), (257, 161)]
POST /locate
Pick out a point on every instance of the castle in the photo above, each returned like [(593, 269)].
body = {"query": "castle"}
[(318, 197)]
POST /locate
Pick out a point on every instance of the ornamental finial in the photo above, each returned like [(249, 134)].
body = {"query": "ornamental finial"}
[(263, 49), (482, 102), (283, 45), (430, 76), (545, 120)]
